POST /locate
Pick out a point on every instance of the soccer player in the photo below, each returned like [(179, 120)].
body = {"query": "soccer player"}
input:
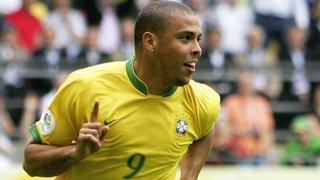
[(135, 119)]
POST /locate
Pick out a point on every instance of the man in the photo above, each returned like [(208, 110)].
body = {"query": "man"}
[(147, 117)]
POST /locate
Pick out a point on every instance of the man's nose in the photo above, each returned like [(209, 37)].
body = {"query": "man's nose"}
[(197, 51)]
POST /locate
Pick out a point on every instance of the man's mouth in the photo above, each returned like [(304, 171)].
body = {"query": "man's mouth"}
[(191, 66)]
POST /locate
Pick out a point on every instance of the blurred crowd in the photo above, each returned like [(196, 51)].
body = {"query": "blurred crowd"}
[(257, 52)]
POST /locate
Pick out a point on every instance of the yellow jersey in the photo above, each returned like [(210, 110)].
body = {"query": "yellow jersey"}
[(148, 134)]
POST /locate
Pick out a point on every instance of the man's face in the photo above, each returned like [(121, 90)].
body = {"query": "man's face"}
[(179, 50)]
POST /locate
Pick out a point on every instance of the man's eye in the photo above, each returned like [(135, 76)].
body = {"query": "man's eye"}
[(185, 38)]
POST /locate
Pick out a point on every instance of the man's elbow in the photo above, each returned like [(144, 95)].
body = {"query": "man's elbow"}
[(30, 171), (27, 163)]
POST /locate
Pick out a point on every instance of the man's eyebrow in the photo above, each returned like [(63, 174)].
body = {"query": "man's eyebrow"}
[(187, 32), (191, 33)]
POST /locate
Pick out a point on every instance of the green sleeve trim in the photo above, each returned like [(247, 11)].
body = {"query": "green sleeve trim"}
[(34, 133)]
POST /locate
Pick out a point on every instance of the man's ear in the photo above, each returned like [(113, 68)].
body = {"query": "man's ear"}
[(150, 41)]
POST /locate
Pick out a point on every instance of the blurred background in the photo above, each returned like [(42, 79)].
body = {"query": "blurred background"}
[(262, 56)]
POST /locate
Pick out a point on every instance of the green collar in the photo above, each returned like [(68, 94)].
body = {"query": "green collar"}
[(140, 85)]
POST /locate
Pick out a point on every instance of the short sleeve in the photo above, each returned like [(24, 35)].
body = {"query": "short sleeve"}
[(209, 107), (59, 123)]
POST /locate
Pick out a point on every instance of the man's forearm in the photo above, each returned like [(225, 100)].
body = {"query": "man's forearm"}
[(47, 160), (194, 158), (190, 172), (190, 167)]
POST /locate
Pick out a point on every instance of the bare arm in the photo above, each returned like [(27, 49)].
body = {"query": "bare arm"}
[(195, 157), (48, 160)]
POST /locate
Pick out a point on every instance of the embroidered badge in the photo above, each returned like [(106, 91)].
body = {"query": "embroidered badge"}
[(181, 126), (47, 122)]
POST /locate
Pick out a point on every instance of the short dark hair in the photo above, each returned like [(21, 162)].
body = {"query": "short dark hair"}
[(154, 17)]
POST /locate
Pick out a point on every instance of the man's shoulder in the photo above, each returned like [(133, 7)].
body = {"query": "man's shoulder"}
[(203, 93), (101, 70), (207, 103), (202, 89)]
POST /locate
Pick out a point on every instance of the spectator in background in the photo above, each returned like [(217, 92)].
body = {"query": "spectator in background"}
[(234, 21), (126, 48), (69, 27), (28, 27), (12, 57), (90, 54), (10, 48), (215, 60), (48, 59), (48, 55), (109, 36), (267, 78), (295, 51), (296, 55), (247, 125), (313, 43), (304, 147), (277, 16), (213, 57)]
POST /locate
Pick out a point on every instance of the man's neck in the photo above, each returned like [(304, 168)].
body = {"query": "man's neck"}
[(148, 74)]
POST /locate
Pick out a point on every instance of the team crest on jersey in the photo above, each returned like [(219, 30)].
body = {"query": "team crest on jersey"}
[(181, 126), (47, 122)]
